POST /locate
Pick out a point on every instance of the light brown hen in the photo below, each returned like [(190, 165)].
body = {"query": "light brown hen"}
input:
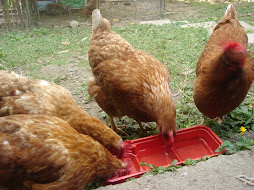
[(22, 95), (127, 81), (45, 152), (225, 70)]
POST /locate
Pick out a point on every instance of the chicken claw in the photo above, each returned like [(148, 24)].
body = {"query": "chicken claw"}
[(115, 128)]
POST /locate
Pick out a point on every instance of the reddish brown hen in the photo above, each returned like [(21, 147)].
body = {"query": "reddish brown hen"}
[(43, 152), (225, 70), (21, 95), (90, 7), (129, 81)]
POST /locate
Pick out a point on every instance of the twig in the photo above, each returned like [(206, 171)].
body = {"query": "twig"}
[(246, 180), (249, 14)]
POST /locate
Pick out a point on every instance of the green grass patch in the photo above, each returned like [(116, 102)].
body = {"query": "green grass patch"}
[(214, 12), (42, 46)]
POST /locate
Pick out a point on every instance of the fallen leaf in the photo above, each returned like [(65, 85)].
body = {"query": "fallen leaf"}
[(63, 52), (115, 20), (188, 72), (83, 39), (66, 43)]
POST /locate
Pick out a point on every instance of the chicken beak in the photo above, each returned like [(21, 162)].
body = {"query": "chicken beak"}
[(168, 139)]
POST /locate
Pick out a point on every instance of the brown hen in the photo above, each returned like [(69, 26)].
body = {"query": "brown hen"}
[(225, 70), (129, 81), (42, 152), (22, 95), (90, 7)]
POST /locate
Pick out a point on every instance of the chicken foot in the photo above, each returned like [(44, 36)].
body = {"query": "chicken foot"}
[(219, 120), (115, 128)]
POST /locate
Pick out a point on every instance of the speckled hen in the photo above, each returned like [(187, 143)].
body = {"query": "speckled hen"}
[(225, 69), (45, 153), (22, 95), (127, 81)]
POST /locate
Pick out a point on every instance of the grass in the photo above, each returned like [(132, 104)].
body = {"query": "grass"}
[(209, 12), (42, 46), (178, 48)]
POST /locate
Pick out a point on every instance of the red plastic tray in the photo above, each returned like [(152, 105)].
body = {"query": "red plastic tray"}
[(193, 142)]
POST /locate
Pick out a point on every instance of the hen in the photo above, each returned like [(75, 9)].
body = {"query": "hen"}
[(127, 81), (225, 70), (42, 152), (90, 7), (21, 95)]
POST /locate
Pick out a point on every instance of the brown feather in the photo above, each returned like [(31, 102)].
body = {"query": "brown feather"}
[(46, 153), (21, 95)]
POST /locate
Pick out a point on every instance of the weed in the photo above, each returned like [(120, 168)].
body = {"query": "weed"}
[(130, 179), (241, 116), (244, 143), (94, 185), (190, 162), (153, 170), (59, 79), (228, 147)]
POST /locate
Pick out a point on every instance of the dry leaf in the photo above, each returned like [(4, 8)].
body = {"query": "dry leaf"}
[(66, 43), (63, 52)]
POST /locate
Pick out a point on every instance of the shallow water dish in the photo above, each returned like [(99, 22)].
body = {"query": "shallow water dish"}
[(193, 142)]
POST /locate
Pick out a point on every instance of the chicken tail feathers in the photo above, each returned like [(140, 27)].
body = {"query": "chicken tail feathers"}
[(230, 16), (98, 22), (231, 12), (96, 18)]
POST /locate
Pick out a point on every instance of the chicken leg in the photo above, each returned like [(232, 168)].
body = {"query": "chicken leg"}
[(115, 128)]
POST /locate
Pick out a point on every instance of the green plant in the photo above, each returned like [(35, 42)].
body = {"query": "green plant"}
[(228, 147), (131, 179), (153, 170), (243, 115), (94, 185), (59, 79), (244, 143), (190, 162)]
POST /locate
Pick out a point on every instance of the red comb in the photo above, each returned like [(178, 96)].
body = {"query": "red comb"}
[(235, 46)]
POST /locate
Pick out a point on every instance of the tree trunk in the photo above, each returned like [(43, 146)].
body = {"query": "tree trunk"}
[(15, 12), (22, 23), (7, 14), (25, 15)]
